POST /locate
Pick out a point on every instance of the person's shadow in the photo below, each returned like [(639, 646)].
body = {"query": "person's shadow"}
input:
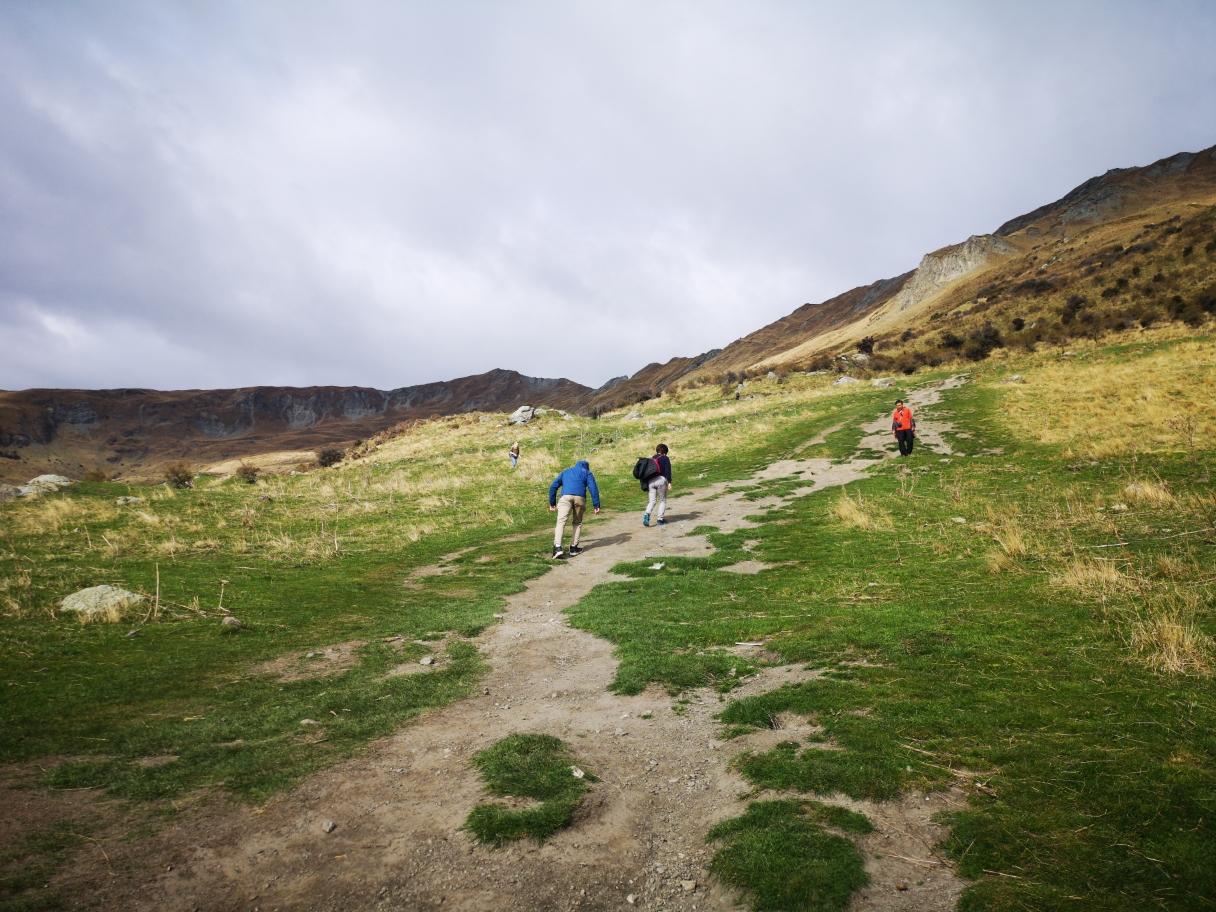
[(679, 517), (618, 539)]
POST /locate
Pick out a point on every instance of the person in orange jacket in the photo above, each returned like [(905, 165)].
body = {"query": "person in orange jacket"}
[(903, 425)]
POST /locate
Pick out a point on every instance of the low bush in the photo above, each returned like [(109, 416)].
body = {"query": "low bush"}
[(247, 473), (329, 456), (179, 475)]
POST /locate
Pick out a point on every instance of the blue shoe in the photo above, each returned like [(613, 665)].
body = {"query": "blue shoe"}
[(661, 522), (645, 519)]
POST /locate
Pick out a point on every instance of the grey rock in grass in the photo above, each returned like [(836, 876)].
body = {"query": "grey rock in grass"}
[(123, 501), (522, 415), (633, 416), (328, 826), (231, 623), (7, 492), (881, 383), (101, 602), (426, 660), (845, 381)]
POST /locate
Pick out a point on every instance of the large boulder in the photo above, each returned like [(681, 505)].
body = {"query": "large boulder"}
[(844, 381), (522, 415), (43, 484), (881, 383), (101, 603)]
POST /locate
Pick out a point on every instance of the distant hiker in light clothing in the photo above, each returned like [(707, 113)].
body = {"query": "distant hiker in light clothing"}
[(514, 454), (658, 485), (903, 425), (574, 483)]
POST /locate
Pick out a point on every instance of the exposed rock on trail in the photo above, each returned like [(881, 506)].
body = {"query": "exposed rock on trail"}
[(384, 830)]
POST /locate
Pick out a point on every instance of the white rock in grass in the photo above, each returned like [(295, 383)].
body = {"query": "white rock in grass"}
[(44, 484), (427, 660), (881, 383), (231, 623), (123, 501), (577, 773), (844, 381), (522, 415), (101, 602)]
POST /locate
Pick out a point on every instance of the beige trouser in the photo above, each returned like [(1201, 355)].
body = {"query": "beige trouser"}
[(658, 490), (569, 507)]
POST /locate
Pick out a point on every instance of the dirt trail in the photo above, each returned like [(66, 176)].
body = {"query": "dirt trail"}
[(665, 776)]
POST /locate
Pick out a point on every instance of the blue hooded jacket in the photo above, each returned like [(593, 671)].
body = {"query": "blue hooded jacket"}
[(575, 481)]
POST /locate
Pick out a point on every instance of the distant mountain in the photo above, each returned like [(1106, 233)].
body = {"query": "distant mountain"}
[(134, 431)]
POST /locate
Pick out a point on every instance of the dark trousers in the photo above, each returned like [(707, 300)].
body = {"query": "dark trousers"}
[(906, 440)]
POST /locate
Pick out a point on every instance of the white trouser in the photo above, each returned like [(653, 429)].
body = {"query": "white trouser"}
[(658, 490)]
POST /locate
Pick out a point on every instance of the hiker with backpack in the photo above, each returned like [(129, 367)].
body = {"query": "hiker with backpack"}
[(655, 475), (903, 426), (574, 482)]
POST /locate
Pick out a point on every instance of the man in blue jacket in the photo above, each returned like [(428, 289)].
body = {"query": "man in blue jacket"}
[(574, 483)]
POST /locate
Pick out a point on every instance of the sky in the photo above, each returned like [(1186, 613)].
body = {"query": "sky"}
[(216, 195)]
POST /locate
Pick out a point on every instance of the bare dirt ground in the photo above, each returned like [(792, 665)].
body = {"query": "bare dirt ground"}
[(638, 840)]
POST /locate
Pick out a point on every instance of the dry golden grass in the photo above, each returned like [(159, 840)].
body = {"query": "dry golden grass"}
[(1089, 576), (1167, 638), (855, 513), (1118, 404), (1148, 494)]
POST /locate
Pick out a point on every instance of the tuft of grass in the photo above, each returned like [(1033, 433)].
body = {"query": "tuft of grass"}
[(778, 853), (537, 767), (1093, 577), (1150, 494), (856, 514), (1167, 636)]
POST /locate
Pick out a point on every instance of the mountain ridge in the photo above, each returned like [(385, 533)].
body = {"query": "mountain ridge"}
[(128, 430)]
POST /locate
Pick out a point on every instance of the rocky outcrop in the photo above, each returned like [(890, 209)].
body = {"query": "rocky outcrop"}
[(940, 268)]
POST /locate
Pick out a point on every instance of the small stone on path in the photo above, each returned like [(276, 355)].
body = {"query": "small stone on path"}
[(328, 826)]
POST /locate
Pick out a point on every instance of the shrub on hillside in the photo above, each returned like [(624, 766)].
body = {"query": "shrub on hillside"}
[(1018, 324), (247, 473), (329, 456), (981, 342), (179, 475), (866, 345), (96, 475)]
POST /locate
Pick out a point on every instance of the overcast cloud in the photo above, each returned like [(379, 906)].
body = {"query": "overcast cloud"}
[(226, 194)]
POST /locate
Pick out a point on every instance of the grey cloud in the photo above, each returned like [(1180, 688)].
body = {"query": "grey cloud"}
[(383, 194)]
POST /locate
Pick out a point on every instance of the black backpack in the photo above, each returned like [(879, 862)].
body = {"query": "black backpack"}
[(645, 469)]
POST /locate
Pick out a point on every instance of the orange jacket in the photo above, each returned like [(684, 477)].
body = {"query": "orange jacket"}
[(901, 419)]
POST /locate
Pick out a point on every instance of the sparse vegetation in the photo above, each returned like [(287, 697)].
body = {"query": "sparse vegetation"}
[(247, 473)]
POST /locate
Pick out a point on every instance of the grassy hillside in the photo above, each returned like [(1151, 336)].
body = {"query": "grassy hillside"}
[(1031, 617)]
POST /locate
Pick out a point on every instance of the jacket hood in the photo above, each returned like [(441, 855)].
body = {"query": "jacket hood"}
[(582, 464)]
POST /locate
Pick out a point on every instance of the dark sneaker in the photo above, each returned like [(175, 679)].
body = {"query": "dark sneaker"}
[(645, 519), (575, 549), (557, 553), (661, 522)]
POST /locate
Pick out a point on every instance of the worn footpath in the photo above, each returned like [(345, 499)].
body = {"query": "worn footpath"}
[(639, 839)]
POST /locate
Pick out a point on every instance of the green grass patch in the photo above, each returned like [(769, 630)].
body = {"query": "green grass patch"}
[(779, 853), (537, 767)]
